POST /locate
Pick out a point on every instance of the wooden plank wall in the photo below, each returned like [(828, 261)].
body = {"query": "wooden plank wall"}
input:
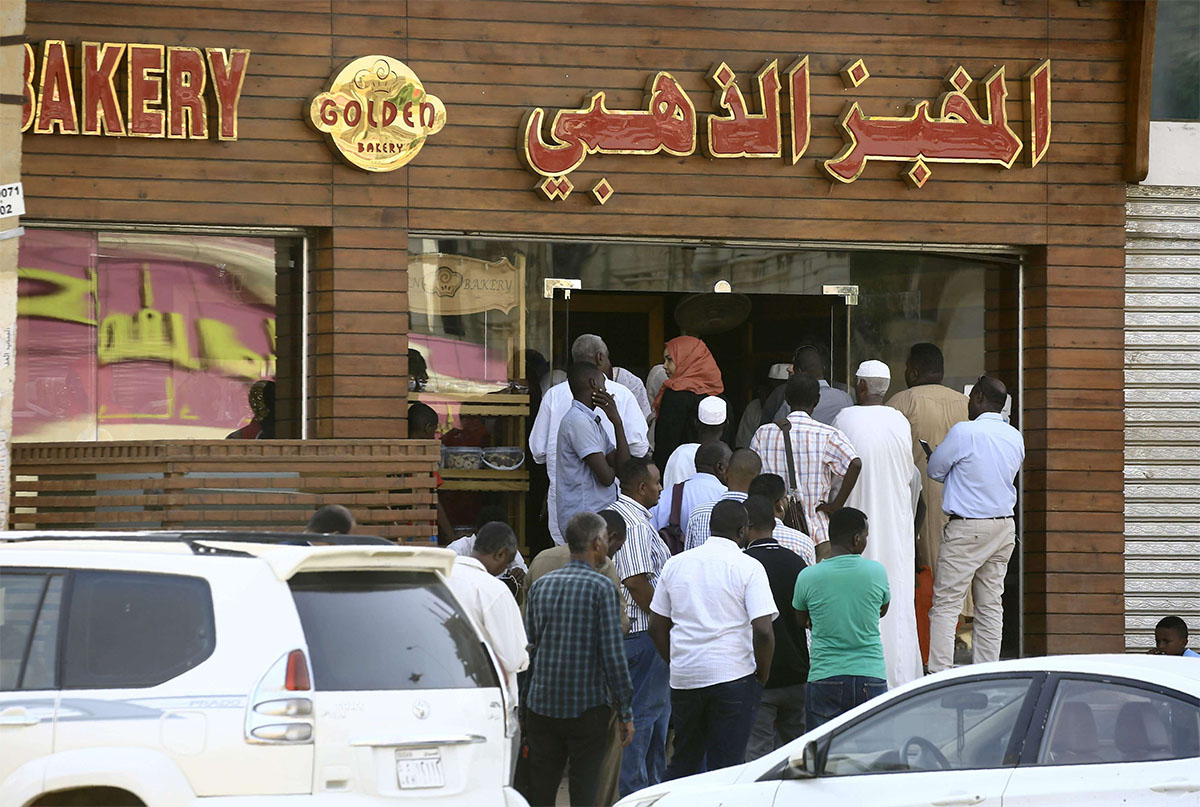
[(491, 60)]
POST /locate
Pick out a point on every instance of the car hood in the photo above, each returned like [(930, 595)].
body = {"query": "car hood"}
[(697, 782)]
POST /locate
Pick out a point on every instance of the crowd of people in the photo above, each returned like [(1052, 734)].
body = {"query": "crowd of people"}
[(736, 583)]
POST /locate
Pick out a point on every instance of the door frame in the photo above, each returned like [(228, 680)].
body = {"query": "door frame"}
[(596, 301)]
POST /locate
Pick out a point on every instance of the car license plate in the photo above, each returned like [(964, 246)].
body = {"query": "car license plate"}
[(419, 768)]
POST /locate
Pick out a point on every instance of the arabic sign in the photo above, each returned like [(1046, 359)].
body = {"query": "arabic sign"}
[(952, 129), (455, 284), (167, 90), (376, 113)]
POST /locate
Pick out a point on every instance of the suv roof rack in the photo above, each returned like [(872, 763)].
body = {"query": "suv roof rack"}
[(193, 538)]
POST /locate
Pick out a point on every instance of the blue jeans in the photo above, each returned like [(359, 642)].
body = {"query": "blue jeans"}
[(712, 725), (826, 699), (645, 759)]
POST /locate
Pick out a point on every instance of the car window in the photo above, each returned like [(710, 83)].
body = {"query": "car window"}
[(388, 630), (29, 604), (958, 726), (127, 629), (1102, 721)]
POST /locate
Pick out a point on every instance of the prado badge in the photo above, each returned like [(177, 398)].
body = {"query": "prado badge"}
[(376, 113)]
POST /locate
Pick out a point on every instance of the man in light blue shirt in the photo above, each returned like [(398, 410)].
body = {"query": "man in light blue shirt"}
[(978, 463), (707, 485), (586, 479)]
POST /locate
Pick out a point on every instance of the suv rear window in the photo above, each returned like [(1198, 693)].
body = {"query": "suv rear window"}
[(126, 629), (388, 630)]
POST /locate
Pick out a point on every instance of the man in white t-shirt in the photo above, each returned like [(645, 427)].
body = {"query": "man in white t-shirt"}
[(681, 465), (489, 603), (543, 439), (711, 620)]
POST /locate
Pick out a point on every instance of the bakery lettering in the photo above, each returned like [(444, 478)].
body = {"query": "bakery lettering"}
[(168, 91)]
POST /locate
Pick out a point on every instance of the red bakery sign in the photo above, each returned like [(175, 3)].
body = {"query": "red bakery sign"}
[(168, 91), (775, 123)]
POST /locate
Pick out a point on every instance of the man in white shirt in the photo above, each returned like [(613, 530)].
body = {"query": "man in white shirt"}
[(489, 603), (465, 546), (711, 620), (707, 485), (543, 439), (712, 413), (589, 347)]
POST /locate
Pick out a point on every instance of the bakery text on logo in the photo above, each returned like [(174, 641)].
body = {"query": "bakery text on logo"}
[(168, 92), (376, 113)]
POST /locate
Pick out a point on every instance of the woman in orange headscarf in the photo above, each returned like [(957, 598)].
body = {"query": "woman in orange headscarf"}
[(692, 373)]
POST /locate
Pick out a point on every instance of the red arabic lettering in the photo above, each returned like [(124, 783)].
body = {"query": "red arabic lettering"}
[(740, 133), (1038, 117)]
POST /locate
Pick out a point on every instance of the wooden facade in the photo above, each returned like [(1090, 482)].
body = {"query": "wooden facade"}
[(492, 60)]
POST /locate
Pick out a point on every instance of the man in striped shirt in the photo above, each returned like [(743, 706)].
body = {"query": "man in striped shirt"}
[(820, 453), (771, 487), (639, 564), (744, 465)]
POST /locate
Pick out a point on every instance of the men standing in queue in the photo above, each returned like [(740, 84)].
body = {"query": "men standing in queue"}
[(820, 453), (842, 599), (639, 565), (579, 675), (808, 359), (771, 486), (711, 620), (543, 439), (887, 492), (589, 347), (978, 463), (932, 410), (744, 466), (780, 716), (586, 470)]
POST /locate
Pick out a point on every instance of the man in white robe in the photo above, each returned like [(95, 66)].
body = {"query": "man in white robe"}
[(886, 493), (543, 439)]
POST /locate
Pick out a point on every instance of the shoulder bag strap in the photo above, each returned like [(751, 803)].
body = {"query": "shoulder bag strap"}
[(676, 504), (785, 426)]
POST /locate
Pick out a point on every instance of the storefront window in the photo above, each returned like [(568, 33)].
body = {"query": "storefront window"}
[(1175, 93), (150, 336)]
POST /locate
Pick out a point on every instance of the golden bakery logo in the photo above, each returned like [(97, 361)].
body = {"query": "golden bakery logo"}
[(376, 113)]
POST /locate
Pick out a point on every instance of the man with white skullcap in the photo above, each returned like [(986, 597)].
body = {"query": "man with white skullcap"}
[(888, 491), (712, 414)]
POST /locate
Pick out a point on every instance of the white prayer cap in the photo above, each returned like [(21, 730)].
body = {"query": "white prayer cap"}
[(874, 369), (779, 372), (712, 411)]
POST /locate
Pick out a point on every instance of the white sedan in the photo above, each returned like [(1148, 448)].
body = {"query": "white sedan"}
[(1067, 730)]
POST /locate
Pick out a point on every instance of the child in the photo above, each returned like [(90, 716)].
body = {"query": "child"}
[(1170, 638)]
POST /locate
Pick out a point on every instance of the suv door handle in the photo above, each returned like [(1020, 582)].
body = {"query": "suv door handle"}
[(1176, 787), (957, 800), (17, 716)]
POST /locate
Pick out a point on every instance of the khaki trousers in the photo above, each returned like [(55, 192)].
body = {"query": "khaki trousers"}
[(610, 770), (973, 557)]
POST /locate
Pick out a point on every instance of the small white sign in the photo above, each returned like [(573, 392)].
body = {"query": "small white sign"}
[(12, 200)]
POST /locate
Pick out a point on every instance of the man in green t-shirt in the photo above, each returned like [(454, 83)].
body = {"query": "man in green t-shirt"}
[(842, 599)]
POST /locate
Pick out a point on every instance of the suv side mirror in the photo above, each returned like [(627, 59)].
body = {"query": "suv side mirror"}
[(805, 765)]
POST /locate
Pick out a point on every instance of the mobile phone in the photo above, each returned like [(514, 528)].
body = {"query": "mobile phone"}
[(925, 446)]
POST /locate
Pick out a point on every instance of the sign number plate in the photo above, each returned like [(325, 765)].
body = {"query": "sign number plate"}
[(12, 200), (419, 768)]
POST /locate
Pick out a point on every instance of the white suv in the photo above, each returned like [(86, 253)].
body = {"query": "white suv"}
[(235, 669)]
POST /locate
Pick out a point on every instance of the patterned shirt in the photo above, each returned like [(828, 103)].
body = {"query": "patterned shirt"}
[(576, 650), (821, 452), (698, 528), (796, 541), (644, 552)]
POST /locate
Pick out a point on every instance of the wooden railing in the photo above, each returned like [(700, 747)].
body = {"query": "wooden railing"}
[(225, 484)]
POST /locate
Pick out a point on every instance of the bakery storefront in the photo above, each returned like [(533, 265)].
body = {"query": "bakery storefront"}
[(481, 182)]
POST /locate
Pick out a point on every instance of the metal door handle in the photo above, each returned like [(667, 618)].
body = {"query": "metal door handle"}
[(1176, 787), (954, 801)]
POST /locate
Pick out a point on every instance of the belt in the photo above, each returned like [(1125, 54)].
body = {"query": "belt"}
[(957, 517)]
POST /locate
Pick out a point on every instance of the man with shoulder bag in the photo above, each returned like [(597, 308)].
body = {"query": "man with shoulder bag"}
[(809, 455)]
